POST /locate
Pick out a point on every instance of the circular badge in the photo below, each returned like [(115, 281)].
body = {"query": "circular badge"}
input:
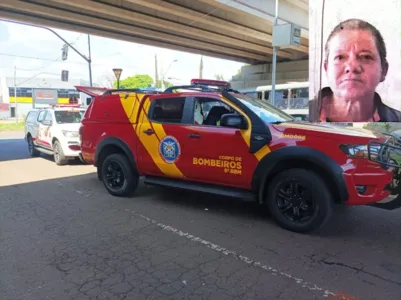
[(169, 149)]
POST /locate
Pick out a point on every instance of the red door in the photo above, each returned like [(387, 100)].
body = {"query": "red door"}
[(217, 155)]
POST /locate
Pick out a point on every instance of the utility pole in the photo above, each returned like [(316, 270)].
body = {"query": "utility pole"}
[(201, 68), (90, 60), (15, 94), (273, 91), (156, 73)]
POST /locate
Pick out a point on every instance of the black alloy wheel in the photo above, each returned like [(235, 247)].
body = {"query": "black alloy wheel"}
[(295, 201), (118, 175), (114, 176), (299, 200)]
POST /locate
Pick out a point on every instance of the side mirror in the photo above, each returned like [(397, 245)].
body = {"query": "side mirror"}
[(233, 121)]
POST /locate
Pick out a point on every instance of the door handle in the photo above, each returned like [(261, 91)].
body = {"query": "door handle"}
[(194, 136), (149, 131)]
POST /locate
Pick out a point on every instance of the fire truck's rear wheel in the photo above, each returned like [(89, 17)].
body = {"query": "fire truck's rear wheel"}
[(118, 176), (299, 200)]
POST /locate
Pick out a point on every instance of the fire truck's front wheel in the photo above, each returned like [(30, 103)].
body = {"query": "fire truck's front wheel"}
[(299, 200)]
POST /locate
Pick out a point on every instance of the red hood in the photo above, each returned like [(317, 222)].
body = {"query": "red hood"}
[(326, 130)]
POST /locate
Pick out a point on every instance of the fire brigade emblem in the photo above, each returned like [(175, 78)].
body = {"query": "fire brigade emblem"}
[(169, 149)]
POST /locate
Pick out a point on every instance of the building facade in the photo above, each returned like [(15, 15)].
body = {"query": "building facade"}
[(18, 96)]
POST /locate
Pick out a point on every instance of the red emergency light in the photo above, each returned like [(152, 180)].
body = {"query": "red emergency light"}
[(210, 82), (65, 105)]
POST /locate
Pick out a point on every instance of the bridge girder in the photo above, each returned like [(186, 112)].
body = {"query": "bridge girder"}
[(204, 27)]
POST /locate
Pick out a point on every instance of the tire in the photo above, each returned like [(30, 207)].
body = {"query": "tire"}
[(320, 202), (59, 157), (125, 179), (33, 152)]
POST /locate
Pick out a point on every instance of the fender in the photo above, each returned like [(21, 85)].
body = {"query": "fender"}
[(117, 142), (271, 163)]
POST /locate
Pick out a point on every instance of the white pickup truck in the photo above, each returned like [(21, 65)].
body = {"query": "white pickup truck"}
[(54, 131)]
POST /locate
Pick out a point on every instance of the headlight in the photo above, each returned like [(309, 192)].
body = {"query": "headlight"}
[(359, 151), (70, 134)]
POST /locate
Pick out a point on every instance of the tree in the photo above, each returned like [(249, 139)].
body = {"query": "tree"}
[(138, 81)]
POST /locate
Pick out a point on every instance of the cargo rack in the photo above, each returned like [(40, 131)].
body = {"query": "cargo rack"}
[(145, 91), (200, 88)]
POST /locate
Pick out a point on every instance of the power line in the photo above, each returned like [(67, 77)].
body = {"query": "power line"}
[(57, 60), (29, 57)]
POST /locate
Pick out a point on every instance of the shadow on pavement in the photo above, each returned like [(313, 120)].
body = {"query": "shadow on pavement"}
[(358, 222), (13, 149), (17, 148)]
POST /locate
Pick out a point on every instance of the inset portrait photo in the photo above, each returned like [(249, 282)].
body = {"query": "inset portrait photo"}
[(355, 61)]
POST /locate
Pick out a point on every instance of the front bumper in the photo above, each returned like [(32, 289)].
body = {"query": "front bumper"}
[(387, 155), (367, 182), (71, 147)]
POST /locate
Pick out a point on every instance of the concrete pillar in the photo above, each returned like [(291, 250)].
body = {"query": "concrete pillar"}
[(256, 75)]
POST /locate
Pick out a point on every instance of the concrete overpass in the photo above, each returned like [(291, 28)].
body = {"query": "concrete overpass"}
[(233, 30)]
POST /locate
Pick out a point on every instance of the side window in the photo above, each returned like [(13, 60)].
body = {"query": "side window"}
[(299, 98), (266, 95), (31, 116), (281, 99), (208, 111), (41, 115), (167, 110), (48, 117)]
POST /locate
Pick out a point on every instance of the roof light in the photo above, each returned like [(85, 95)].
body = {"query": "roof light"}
[(65, 105), (210, 82)]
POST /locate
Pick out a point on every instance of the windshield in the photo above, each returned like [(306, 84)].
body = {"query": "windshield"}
[(66, 117), (267, 112)]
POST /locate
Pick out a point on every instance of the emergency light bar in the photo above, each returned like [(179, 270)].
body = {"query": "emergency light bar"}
[(65, 105), (210, 82)]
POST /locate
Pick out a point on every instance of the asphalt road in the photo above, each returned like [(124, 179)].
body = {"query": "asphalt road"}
[(63, 237)]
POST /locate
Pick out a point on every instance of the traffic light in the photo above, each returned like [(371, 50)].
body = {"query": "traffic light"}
[(64, 75), (64, 54)]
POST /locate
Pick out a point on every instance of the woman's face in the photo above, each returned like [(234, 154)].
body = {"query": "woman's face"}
[(353, 66)]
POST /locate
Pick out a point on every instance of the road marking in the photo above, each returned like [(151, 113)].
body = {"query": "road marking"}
[(307, 285)]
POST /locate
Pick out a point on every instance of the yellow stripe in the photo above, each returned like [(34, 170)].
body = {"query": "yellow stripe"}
[(262, 152), (29, 100), (140, 121), (151, 142), (63, 100), (168, 169), (246, 134)]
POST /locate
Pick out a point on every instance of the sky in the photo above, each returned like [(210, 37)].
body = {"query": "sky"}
[(35, 50)]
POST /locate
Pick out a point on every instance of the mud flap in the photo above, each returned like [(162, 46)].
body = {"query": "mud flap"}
[(390, 203)]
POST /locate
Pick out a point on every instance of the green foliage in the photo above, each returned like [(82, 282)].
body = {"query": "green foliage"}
[(166, 84), (137, 81), (383, 127), (140, 81), (11, 126)]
